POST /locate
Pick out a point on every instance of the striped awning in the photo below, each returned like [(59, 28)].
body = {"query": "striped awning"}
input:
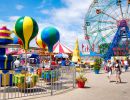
[(60, 48)]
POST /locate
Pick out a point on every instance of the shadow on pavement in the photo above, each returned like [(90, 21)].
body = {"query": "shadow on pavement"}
[(87, 87), (123, 82)]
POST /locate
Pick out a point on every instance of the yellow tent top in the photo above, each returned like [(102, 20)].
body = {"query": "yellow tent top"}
[(76, 53)]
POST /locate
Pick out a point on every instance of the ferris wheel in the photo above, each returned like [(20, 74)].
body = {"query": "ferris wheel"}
[(102, 21)]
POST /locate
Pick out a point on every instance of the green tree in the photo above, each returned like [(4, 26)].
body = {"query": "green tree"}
[(104, 47), (97, 65)]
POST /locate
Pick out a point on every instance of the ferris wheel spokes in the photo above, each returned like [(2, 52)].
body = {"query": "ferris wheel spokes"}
[(121, 10), (103, 29), (127, 8), (104, 21), (109, 15), (106, 36), (107, 21), (102, 38)]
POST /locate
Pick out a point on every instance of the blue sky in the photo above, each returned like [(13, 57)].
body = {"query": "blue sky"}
[(66, 15)]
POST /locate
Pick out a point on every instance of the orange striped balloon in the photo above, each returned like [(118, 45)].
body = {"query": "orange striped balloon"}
[(39, 41)]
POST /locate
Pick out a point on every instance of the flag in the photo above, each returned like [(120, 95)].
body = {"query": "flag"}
[(82, 47), (93, 47), (87, 48), (114, 53)]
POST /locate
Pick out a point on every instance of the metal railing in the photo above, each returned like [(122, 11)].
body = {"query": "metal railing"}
[(14, 85)]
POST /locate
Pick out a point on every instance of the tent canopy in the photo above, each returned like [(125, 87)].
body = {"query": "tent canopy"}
[(60, 48)]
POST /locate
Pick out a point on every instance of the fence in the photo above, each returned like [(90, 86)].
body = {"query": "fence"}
[(13, 85)]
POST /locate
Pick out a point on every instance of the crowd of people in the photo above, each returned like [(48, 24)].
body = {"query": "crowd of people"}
[(115, 68), (44, 63)]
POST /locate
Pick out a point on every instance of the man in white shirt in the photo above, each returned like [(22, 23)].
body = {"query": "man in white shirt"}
[(126, 65), (17, 63)]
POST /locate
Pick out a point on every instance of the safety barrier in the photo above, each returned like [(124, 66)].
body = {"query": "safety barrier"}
[(14, 85)]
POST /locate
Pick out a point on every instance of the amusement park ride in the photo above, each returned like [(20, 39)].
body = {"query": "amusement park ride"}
[(108, 22), (26, 28)]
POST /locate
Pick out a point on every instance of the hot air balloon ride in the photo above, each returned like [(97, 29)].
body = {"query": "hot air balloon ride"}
[(50, 36), (26, 28)]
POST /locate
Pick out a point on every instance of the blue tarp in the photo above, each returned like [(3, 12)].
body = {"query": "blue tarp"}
[(95, 54), (92, 54)]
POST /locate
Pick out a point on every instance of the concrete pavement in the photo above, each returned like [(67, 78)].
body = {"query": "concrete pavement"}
[(97, 88)]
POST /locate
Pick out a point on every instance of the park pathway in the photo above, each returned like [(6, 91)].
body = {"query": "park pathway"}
[(97, 88)]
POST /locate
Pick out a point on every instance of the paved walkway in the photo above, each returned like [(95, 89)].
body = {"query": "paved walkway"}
[(97, 88)]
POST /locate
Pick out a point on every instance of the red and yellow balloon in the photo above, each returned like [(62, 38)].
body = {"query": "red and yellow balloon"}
[(39, 42), (26, 29)]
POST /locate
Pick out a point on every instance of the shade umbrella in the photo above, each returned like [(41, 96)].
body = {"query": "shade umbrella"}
[(61, 55), (60, 48), (34, 56)]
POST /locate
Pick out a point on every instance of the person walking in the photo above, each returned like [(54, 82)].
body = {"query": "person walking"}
[(109, 68), (126, 65), (118, 71), (16, 63)]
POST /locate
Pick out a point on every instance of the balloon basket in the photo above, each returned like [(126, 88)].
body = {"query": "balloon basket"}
[(49, 75), (24, 81), (26, 85), (6, 78)]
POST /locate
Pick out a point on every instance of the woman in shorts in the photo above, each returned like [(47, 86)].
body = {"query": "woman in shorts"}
[(118, 71)]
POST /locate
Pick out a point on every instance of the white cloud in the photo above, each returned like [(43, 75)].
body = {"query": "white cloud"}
[(43, 3), (9, 25), (13, 18), (19, 7), (45, 11), (74, 12), (69, 20)]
